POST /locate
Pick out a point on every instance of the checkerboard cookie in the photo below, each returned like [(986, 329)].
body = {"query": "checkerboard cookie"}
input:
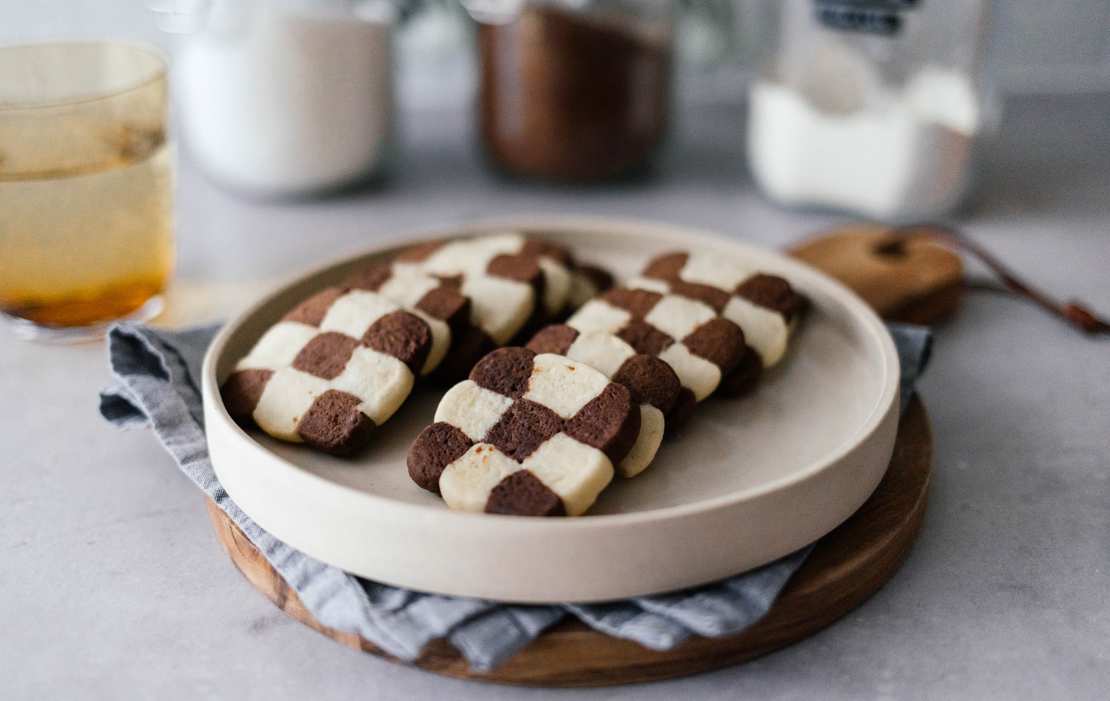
[(509, 279), (765, 306), (527, 434), (436, 301), (687, 334), (508, 283), (653, 384), (422, 293), (334, 367)]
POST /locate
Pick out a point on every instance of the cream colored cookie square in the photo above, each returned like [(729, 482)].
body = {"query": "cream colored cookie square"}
[(600, 350), (764, 330), (574, 471), (471, 256), (454, 258), (466, 483), (355, 312), (720, 272), (406, 286), (379, 380), (696, 374), (278, 347), (563, 385), (472, 409), (286, 398), (678, 316), (498, 306), (597, 315)]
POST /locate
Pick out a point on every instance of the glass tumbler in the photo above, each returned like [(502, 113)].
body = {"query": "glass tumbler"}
[(86, 180)]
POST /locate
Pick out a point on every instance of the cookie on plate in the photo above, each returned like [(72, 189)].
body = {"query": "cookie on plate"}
[(527, 434), (765, 306), (687, 334), (653, 384), (509, 279), (423, 294), (334, 367), (510, 284)]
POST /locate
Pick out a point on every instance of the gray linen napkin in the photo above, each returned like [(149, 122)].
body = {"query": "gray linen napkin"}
[(157, 380)]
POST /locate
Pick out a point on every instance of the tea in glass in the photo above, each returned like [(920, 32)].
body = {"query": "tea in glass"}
[(86, 180)]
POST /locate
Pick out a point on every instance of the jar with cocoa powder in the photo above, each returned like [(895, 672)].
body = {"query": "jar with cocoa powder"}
[(573, 90)]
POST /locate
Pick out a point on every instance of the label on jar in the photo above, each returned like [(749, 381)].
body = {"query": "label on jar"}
[(883, 17)]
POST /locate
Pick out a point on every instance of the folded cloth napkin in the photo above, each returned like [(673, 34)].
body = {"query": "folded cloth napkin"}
[(157, 384)]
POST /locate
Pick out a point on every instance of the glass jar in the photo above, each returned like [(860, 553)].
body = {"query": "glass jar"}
[(573, 90), (870, 106), (287, 96)]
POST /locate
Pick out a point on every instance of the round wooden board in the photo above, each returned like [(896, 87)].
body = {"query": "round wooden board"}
[(848, 565)]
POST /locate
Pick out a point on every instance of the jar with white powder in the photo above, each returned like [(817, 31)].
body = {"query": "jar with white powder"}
[(875, 107), (285, 97)]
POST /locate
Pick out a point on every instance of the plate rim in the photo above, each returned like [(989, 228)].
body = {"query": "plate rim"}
[(623, 227), (878, 419)]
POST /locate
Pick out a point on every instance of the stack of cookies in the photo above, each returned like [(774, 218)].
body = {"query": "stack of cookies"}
[(345, 359), (537, 430)]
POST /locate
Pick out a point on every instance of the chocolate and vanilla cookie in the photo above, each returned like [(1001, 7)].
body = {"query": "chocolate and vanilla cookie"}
[(509, 279), (485, 304), (527, 434), (425, 295), (687, 334), (508, 283), (334, 367), (765, 306), (653, 384), (436, 301)]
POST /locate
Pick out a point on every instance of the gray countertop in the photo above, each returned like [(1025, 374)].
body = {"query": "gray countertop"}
[(113, 585)]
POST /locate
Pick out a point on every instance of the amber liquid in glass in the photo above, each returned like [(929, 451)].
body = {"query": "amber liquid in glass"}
[(89, 244)]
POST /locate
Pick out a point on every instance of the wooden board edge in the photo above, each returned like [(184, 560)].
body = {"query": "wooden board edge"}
[(846, 568)]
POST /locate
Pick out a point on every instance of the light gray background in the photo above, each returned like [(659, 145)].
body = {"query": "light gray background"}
[(113, 585), (1036, 46)]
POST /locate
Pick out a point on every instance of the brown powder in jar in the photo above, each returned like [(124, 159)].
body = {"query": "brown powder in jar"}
[(570, 97)]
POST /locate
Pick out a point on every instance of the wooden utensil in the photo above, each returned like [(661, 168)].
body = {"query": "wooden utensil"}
[(903, 279)]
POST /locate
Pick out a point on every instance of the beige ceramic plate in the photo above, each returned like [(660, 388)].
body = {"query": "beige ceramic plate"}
[(747, 482)]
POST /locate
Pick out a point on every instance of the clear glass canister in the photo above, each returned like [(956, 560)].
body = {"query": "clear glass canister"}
[(286, 96), (573, 90), (870, 106)]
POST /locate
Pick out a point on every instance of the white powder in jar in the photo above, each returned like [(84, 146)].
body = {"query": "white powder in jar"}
[(893, 156), (288, 97)]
